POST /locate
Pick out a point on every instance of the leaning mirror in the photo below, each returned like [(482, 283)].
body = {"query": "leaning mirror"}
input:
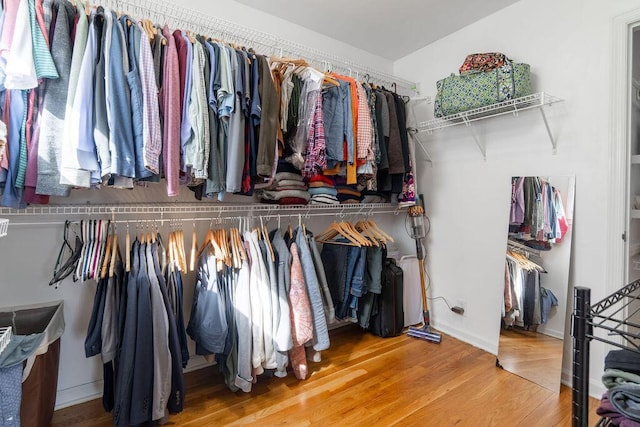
[(536, 278)]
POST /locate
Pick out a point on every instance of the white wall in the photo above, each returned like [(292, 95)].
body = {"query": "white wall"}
[(568, 45), (28, 253)]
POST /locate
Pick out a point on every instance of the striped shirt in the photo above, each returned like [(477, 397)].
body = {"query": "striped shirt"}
[(45, 68), (151, 134)]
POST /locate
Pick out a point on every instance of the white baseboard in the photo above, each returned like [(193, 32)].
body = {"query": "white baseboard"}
[(474, 340), (93, 390), (78, 394), (596, 388), (551, 332)]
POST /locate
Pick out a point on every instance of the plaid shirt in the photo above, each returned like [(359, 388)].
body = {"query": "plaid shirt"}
[(365, 129), (315, 159)]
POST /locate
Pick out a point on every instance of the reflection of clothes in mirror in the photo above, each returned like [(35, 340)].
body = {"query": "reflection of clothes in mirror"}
[(537, 212), (525, 302)]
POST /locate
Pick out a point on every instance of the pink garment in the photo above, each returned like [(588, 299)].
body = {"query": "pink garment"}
[(170, 105), (40, 19), (301, 316), (9, 26), (4, 161)]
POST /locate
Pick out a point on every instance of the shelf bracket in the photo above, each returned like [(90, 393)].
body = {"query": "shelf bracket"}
[(424, 150), (546, 124), (474, 134)]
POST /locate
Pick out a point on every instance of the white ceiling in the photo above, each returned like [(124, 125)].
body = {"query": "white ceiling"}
[(391, 29)]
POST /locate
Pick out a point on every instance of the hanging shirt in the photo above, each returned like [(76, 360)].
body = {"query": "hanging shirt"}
[(214, 180), (121, 135), (257, 327), (9, 25), (267, 147), (236, 128), (197, 146), (21, 70), (301, 316), (185, 128), (226, 98), (315, 159), (242, 309), (76, 163), (132, 35), (171, 111), (151, 133), (55, 100)]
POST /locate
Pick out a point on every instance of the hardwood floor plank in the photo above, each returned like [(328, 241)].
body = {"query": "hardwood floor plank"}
[(369, 381)]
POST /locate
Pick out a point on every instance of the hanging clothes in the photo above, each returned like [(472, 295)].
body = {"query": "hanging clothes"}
[(537, 216), (134, 328), (238, 115)]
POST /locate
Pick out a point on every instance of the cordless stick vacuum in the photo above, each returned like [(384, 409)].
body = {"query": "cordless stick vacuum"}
[(416, 214)]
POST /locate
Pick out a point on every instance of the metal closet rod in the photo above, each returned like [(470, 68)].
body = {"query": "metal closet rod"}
[(178, 16), (267, 217)]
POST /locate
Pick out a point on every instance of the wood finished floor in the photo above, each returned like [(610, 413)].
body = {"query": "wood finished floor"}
[(368, 381), (536, 357)]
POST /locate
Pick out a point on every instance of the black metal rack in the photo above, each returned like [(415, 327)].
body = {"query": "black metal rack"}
[(612, 315)]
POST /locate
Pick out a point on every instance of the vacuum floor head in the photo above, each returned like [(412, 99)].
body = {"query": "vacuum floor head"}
[(425, 334)]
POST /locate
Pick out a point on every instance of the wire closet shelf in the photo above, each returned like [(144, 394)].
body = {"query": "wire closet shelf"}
[(178, 16), (161, 213), (4, 225), (512, 106)]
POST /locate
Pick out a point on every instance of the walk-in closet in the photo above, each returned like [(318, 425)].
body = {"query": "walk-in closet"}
[(272, 212)]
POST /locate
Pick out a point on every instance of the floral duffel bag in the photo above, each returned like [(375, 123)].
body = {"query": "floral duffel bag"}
[(466, 92)]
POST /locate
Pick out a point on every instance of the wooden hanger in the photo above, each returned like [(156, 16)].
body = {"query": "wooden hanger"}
[(173, 252), (114, 252), (181, 251), (357, 234), (191, 37), (206, 243), (368, 233), (337, 229), (379, 230), (329, 79), (107, 255), (147, 26)]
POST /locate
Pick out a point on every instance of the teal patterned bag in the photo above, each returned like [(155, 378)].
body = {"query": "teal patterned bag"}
[(462, 93)]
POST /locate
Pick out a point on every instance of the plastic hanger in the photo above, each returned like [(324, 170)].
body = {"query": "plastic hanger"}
[(127, 250), (194, 248), (60, 272), (265, 232)]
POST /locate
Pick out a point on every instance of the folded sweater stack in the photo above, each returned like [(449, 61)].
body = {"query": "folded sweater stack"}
[(288, 189), (347, 193), (323, 191)]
